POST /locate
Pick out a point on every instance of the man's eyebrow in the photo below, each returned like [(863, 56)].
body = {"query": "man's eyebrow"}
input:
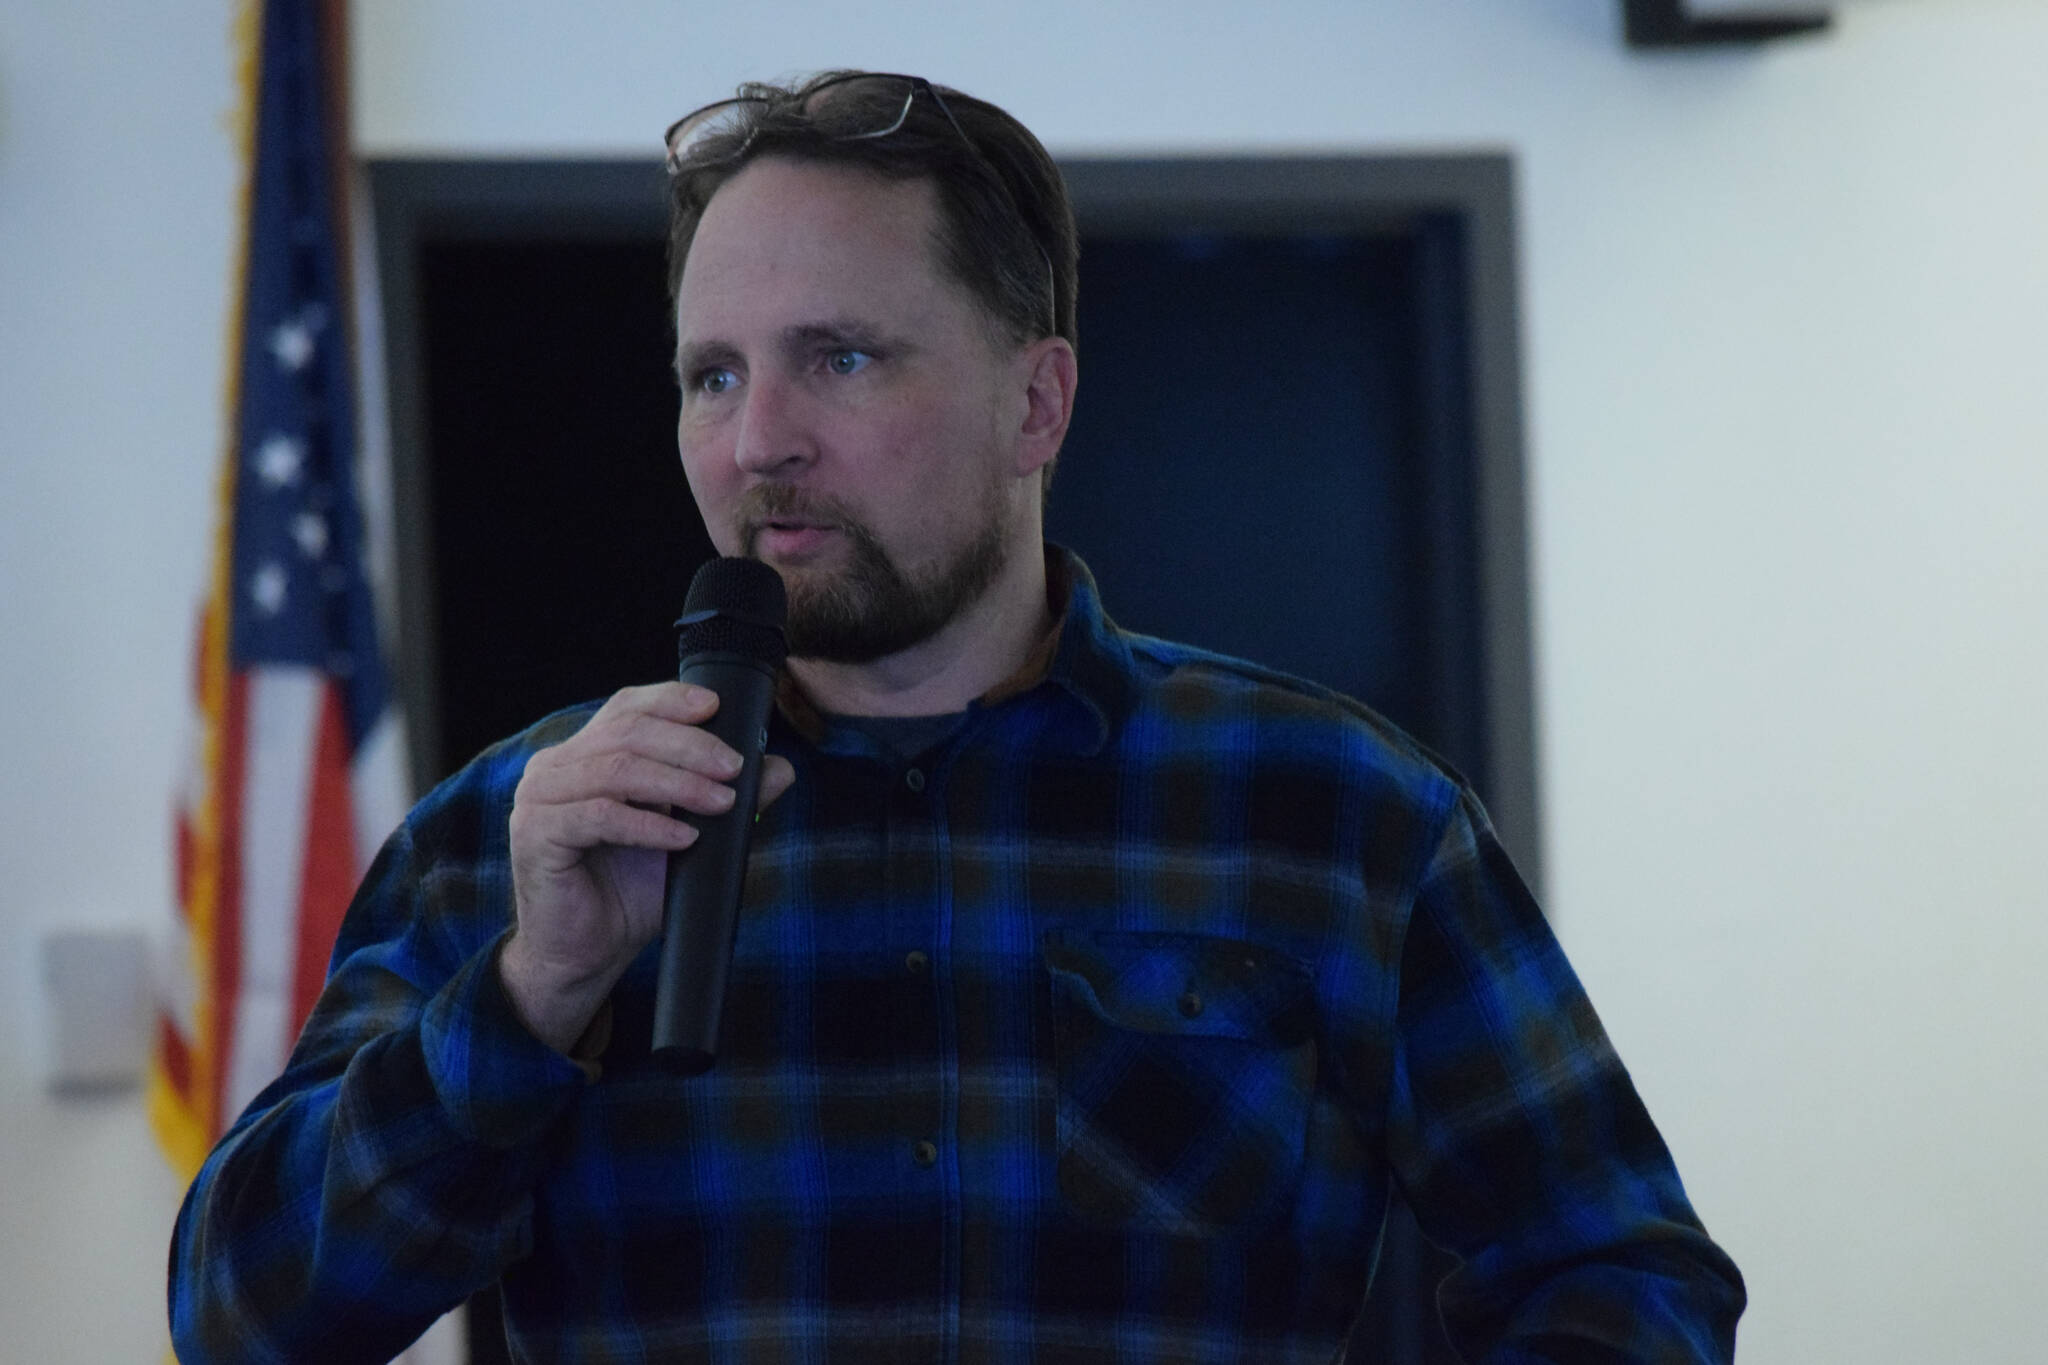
[(848, 332), (693, 356)]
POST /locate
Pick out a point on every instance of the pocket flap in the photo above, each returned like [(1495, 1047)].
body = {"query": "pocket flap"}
[(1187, 984)]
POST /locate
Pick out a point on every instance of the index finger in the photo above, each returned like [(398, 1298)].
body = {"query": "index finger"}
[(684, 703)]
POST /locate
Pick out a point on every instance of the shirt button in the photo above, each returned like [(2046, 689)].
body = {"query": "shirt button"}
[(1191, 1004), (914, 779), (925, 1154), (916, 963)]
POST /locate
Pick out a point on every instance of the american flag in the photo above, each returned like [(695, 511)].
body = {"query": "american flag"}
[(294, 775)]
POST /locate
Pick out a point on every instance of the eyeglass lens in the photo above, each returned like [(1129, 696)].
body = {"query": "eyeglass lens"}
[(694, 130)]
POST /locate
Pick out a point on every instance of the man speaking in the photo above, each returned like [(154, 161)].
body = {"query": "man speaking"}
[(1090, 993)]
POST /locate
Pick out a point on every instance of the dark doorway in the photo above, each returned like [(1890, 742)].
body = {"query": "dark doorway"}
[(563, 535), (1296, 441), (1253, 463)]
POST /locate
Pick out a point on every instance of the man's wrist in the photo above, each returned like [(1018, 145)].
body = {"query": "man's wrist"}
[(556, 1013)]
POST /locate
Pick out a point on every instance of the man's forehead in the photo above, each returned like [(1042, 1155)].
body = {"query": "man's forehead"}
[(828, 234), (786, 196)]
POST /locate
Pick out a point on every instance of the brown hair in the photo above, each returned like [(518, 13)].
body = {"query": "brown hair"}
[(1005, 222)]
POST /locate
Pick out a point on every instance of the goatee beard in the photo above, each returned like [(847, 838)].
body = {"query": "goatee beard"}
[(871, 609)]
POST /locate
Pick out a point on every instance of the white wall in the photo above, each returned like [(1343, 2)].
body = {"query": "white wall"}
[(116, 199), (1783, 315)]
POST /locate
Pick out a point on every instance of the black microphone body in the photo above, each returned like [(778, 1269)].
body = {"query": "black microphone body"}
[(731, 643)]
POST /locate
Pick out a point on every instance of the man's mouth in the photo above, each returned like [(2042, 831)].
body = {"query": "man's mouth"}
[(778, 522), (788, 537)]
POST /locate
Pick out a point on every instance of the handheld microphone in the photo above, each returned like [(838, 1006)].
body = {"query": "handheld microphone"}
[(732, 643)]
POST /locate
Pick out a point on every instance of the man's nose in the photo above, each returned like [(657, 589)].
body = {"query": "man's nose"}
[(776, 430)]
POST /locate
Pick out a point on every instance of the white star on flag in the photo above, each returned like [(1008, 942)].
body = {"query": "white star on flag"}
[(310, 531), (280, 458), (292, 344), (267, 588), (291, 341)]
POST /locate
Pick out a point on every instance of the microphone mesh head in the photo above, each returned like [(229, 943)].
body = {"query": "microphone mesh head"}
[(735, 606)]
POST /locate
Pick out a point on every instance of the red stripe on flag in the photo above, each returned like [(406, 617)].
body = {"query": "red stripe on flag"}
[(227, 909), (186, 851), (174, 1057), (182, 865), (328, 876)]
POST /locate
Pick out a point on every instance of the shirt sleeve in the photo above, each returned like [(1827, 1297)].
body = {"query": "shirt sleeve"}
[(1523, 1147), (387, 1175)]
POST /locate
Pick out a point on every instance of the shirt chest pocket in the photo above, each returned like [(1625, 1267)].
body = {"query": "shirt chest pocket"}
[(1186, 1069)]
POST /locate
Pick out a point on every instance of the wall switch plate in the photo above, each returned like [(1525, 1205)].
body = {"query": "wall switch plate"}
[(97, 1006)]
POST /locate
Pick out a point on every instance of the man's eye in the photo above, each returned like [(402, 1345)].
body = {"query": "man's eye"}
[(714, 382), (847, 362)]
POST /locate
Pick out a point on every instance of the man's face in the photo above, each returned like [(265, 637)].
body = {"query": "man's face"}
[(845, 406)]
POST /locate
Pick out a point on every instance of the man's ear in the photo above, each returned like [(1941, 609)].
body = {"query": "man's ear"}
[(1049, 373)]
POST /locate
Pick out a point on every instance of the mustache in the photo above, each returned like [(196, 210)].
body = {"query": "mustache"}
[(771, 502), (784, 502)]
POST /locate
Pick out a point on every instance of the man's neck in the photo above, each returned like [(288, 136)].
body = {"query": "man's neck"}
[(968, 656)]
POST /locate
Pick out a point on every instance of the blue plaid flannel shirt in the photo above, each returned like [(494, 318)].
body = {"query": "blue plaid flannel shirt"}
[(1096, 1035)]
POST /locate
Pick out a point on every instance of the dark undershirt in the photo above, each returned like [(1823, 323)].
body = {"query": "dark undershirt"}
[(904, 736)]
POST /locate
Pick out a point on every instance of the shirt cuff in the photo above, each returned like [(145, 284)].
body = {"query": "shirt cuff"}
[(500, 1085)]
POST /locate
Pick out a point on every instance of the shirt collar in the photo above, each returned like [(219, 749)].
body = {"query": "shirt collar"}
[(1091, 661), (1082, 656)]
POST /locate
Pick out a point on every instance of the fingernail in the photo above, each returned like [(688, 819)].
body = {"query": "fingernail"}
[(701, 696)]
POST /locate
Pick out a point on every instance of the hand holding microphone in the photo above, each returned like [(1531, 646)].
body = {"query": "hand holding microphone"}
[(597, 817)]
